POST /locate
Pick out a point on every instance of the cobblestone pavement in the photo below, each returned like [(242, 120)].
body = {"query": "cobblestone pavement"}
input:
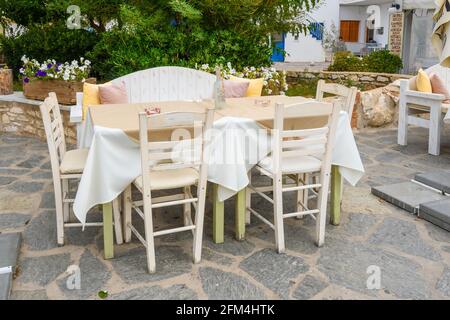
[(414, 255)]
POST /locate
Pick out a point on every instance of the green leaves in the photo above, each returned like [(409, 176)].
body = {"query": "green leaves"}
[(185, 10)]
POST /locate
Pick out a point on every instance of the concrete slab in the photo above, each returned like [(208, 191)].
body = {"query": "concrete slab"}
[(5, 285), (437, 212), (407, 195), (9, 249), (439, 180)]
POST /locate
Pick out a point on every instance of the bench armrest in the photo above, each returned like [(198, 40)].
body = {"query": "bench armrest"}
[(76, 114)]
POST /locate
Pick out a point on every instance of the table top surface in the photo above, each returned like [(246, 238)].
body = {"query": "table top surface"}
[(260, 109)]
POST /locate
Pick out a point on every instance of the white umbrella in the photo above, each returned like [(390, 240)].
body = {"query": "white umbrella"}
[(440, 33)]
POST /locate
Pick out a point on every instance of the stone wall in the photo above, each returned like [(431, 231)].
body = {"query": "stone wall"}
[(25, 119), (362, 80)]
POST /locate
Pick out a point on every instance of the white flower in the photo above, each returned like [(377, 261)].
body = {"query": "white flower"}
[(22, 70), (205, 66), (229, 65)]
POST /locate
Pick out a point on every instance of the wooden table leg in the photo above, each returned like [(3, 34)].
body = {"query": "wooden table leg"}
[(218, 217), (108, 239), (336, 185), (240, 215)]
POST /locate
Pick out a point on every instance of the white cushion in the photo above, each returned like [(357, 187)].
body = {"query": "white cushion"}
[(74, 161), (170, 179), (293, 164)]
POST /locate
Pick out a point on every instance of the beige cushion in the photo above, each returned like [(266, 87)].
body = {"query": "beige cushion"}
[(74, 161), (170, 179), (294, 164)]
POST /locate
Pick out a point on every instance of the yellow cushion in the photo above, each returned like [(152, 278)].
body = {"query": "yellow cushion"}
[(255, 87), (91, 96), (170, 179), (74, 161), (423, 82)]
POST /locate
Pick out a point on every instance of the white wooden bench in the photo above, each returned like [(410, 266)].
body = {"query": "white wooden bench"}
[(413, 103), (158, 84)]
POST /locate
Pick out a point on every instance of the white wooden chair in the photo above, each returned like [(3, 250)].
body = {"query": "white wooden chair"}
[(347, 95), (307, 151), (158, 84), (163, 168), (66, 166), (413, 103)]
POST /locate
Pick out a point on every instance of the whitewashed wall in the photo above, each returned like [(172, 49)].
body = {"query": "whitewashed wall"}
[(306, 48), (359, 13)]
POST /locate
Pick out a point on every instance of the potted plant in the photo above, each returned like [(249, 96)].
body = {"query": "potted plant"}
[(65, 79)]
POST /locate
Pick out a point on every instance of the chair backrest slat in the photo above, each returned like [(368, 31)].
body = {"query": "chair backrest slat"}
[(347, 94), (171, 155), (304, 142), (54, 129)]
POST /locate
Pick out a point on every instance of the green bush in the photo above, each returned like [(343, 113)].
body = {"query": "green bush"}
[(346, 61), (383, 61), (47, 42)]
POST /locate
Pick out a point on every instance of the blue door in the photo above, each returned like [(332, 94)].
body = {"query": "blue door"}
[(278, 50)]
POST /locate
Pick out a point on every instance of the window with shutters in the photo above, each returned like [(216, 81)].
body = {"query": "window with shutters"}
[(350, 30)]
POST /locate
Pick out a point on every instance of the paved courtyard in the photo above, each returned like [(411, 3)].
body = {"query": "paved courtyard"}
[(414, 255)]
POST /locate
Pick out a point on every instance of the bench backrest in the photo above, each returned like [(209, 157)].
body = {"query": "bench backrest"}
[(168, 84)]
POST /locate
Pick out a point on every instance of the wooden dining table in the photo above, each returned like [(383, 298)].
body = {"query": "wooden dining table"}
[(259, 109)]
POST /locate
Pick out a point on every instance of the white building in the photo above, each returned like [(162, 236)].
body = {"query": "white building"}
[(413, 26)]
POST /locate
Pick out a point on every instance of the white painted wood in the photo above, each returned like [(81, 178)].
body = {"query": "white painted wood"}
[(308, 142), (413, 102), (152, 150), (349, 94), (54, 130)]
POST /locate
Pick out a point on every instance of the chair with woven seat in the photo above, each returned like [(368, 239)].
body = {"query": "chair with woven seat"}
[(66, 166), (164, 167), (295, 154)]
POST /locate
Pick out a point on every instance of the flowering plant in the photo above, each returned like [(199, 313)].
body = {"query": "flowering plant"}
[(52, 70), (274, 81)]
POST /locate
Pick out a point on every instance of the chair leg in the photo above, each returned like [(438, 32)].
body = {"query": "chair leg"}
[(302, 195), (65, 194), (248, 200), (126, 214), (402, 134), (59, 212), (322, 205), (199, 217), (149, 238), (187, 207), (434, 143), (278, 213), (117, 220)]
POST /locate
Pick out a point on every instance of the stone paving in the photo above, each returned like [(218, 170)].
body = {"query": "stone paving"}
[(414, 255)]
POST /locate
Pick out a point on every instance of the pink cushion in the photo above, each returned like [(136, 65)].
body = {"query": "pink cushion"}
[(439, 86), (235, 89), (113, 94)]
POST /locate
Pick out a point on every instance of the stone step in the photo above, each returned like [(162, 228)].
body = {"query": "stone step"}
[(9, 251), (437, 212), (407, 195), (439, 180)]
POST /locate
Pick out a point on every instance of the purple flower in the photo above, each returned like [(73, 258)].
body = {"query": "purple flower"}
[(49, 66), (41, 73), (26, 79)]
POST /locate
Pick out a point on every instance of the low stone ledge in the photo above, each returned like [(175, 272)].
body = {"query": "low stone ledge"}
[(368, 80), (22, 116)]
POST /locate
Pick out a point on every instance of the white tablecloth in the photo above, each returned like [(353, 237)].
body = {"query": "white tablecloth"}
[(114, 159)]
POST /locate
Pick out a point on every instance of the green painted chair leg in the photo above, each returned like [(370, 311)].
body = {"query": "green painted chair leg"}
[(108, 238), (240, 215), (218, 217), (336, 185)]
